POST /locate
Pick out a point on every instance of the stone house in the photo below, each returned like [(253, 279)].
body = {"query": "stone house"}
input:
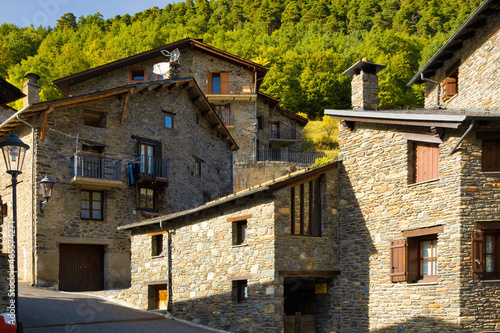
[(230, 83), (263, 259), (420, 232), (117, 155)]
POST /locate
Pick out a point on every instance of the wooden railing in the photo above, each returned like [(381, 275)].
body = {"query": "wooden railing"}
[(151, 167), (96, 166)]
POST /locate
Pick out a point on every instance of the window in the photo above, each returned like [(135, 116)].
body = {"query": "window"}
[(486, 250), (147, 153), (260, 122), (94, 117), (91, 205), (224, 113), (197, 168), (415, 259), (491, 155), (147, 198), (169, 120), (137, 74), (217, 83), (425, 157), (240, 232), (274, 130), (240, 291), (305, 208), (156, 245), (450, 84)]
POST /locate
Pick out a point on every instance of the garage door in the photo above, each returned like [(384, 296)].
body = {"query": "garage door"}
[(81, 267)]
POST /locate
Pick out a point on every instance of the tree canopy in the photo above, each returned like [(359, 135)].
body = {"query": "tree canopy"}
[(306, 44)]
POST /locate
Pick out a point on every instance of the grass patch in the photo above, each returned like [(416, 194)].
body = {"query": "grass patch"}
[(321, 136)]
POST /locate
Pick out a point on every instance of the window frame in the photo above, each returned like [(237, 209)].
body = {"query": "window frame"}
[(309, 215), (223, 83), (133, 70), (240, 232), (495, 159), (168, 115), (433, 259), (450, 84), (154, 198), (479, 251), (91, 204), (240, 291), (156, 244), (274, 130), (226, 117)]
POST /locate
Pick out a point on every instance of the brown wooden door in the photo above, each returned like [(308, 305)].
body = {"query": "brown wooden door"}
[(81, 267)]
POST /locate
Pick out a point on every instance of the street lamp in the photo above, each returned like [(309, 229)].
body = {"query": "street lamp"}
[(14, 151), (46, 185)]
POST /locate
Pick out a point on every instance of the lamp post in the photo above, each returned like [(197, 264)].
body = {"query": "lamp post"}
[(14, 151)]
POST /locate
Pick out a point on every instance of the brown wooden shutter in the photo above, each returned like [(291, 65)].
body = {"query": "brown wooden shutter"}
[(413, 257), (450, 86), (426, 161), (224, 83), (477, 254), (209, 83), (398, 255), (491, 155)]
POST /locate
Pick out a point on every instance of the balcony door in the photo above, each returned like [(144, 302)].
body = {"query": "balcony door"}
[(147, 153), (217, 83)]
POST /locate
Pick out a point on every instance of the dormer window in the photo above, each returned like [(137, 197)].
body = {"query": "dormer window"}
[(450, 84), (137, 74)]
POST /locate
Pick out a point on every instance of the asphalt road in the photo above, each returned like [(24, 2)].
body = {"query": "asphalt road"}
[(44, 311)]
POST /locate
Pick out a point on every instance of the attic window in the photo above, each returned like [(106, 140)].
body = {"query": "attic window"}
[(137, 74), (450, 84)]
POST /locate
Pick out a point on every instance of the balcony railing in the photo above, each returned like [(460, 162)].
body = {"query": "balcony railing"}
[(277, 155), (86, 167), (231, 88), (152, 168)]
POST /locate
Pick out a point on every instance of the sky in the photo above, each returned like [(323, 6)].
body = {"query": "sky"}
[(46, 12)]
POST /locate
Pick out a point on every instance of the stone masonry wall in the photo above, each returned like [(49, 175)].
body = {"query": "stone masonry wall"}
[(480, 200), (377, 204), (204, 259), (478, 86)]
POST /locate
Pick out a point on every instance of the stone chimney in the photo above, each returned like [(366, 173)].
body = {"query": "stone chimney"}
[(31, 89), (364, 85)]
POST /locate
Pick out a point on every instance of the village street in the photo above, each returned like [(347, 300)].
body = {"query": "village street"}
[(43, 311)]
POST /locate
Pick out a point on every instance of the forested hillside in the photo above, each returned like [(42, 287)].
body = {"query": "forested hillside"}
[(306, 44)]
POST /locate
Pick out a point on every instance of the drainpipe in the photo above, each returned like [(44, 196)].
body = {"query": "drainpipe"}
[(169, 276), (462, 138), (32, 198), (437, 88)]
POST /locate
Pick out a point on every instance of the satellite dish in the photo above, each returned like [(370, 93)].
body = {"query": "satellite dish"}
[(174, 55), (161, 68)]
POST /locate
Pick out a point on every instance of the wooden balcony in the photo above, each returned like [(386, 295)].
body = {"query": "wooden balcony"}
[(152, 169), (231, 91), (95, 171)]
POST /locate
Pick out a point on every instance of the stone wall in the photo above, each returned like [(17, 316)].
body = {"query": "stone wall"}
[(377, 203), (204, 260), (478, 86), (250, 174)]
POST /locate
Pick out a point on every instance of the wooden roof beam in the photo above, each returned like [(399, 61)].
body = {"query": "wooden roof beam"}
[(125, 104), (43, 131)]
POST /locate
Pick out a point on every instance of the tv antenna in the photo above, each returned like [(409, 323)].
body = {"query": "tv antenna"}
[(174, 55)]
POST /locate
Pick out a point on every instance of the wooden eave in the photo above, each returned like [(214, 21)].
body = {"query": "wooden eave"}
[(273, 101), (466, 31), (63, 84), (403, 122), (9, 93)]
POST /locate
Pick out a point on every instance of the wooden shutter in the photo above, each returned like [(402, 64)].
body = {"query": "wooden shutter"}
[(477, 254), (450, 86), (491, 155), (398, 258), (426, 161), (209, 83), (224, 83), (413, 256)]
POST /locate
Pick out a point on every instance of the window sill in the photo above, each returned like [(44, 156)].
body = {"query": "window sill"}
[(157, 257), (422, 283), (491, 281), (240, 305), (306, 236), (240, 245), (491, 173), (423, 182)]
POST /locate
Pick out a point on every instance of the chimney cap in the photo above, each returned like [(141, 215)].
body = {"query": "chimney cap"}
[(32, 76), (364, 66)]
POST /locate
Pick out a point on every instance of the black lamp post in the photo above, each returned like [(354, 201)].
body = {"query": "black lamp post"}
[(14, 151)]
